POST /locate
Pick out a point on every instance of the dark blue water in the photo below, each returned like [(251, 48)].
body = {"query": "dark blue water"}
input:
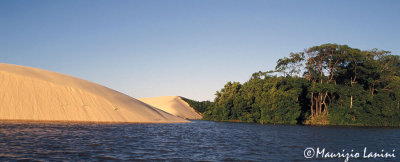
[(196, 141)]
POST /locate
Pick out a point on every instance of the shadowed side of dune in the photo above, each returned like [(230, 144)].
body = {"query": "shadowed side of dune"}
[(33, 94), (173, 105)]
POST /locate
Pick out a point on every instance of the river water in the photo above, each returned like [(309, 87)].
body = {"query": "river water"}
[(195, 141)]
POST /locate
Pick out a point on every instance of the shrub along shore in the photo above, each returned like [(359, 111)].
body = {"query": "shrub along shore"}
[(329, 84)]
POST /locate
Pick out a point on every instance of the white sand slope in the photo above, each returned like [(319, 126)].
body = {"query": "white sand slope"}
[(173, 105), (33, 94)]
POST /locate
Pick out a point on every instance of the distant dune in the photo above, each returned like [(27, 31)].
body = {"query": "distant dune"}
[(33, 94), (173, 105)]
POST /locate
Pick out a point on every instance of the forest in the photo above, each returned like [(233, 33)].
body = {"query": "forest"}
[(329, 84)]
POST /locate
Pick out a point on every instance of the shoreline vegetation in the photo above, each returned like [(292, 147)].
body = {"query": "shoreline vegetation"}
[(329, 84)]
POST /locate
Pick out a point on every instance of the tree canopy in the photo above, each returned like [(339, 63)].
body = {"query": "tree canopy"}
[(326, 84)]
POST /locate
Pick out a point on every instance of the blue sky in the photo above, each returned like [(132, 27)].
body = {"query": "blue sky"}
[(190, 48)]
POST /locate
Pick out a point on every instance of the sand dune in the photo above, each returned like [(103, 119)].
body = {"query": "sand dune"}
[(173, 105), (33, 94)]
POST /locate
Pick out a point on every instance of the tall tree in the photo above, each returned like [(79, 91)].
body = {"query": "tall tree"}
[(291, 65), (321, 68)]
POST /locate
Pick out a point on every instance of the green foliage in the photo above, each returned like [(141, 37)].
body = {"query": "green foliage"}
[(200, 107), (340, 86), (263, 99)]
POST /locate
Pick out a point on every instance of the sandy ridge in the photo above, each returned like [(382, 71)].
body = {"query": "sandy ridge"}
[(174, 105), (28, 93)]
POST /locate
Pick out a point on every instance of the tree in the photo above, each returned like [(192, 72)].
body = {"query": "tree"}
[(340, 85), (294, 64)]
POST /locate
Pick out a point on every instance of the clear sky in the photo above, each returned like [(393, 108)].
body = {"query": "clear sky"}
[(190, 48)]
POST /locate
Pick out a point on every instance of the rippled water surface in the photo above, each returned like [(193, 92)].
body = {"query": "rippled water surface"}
[(196, 141)]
